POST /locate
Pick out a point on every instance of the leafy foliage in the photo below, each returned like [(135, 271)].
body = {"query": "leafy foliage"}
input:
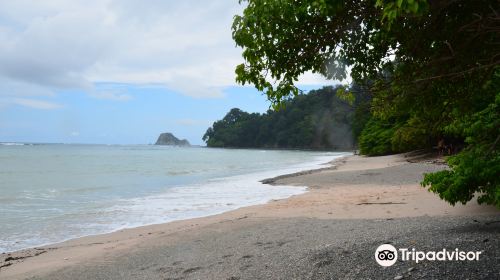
[(431, 66), (375, 139), (477, 168), (317, 120)]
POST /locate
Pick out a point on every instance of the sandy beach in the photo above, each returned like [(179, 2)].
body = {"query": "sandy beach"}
[(330, 232)]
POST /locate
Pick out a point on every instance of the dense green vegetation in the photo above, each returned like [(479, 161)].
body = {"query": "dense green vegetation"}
[(317, 120), (432, 69)]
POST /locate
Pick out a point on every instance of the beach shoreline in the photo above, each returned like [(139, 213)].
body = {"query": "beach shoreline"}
[(89, 190), (249, 179), (353, 190)]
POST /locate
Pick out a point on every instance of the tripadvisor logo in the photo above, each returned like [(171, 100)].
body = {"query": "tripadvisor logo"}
[(387, 255)]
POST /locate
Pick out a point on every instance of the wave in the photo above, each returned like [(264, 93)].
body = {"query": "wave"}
[(12, 144), (213, 196)]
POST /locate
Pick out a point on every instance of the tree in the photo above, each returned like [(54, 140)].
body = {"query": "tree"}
[(317, 120), (431, 66), (477, 168)]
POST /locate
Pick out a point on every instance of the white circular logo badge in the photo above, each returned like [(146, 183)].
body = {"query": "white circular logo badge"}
[(386, 255)]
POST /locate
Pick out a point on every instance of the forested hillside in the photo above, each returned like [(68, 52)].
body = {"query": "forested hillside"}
[(317, 120), (433, 68)]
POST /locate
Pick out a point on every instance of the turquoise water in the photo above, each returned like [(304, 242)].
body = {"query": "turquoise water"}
[(51, 193)]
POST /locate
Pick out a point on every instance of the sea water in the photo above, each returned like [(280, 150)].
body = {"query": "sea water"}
[(53, 192)]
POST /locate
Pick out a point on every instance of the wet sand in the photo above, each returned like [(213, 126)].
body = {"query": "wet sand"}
[(330, 232)]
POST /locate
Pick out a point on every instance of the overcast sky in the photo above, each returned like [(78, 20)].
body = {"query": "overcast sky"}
[(119, 71)]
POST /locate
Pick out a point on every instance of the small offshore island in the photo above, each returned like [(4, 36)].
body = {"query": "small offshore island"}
[(168, 139)]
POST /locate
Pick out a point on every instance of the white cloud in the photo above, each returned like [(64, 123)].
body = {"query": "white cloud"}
[(53, 49), (111, 95), (183, 45), (309, 78), (33, 103)]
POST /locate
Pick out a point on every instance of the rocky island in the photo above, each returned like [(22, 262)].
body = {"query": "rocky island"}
[(170, 140)]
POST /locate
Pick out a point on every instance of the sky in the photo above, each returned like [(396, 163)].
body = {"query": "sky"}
[(120, 71)]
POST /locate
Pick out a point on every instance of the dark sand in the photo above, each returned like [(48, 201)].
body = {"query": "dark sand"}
[(330, 232)]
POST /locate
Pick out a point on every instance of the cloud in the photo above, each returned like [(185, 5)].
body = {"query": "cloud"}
[(53, 48), (183, 45), (186, 46), (33, 103), (309, 78), (111, 95)]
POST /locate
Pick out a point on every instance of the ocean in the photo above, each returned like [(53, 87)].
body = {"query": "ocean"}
[(54, 192)]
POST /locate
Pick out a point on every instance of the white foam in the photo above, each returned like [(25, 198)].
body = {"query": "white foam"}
[(214, 197), (12, 144), (177, 203)]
